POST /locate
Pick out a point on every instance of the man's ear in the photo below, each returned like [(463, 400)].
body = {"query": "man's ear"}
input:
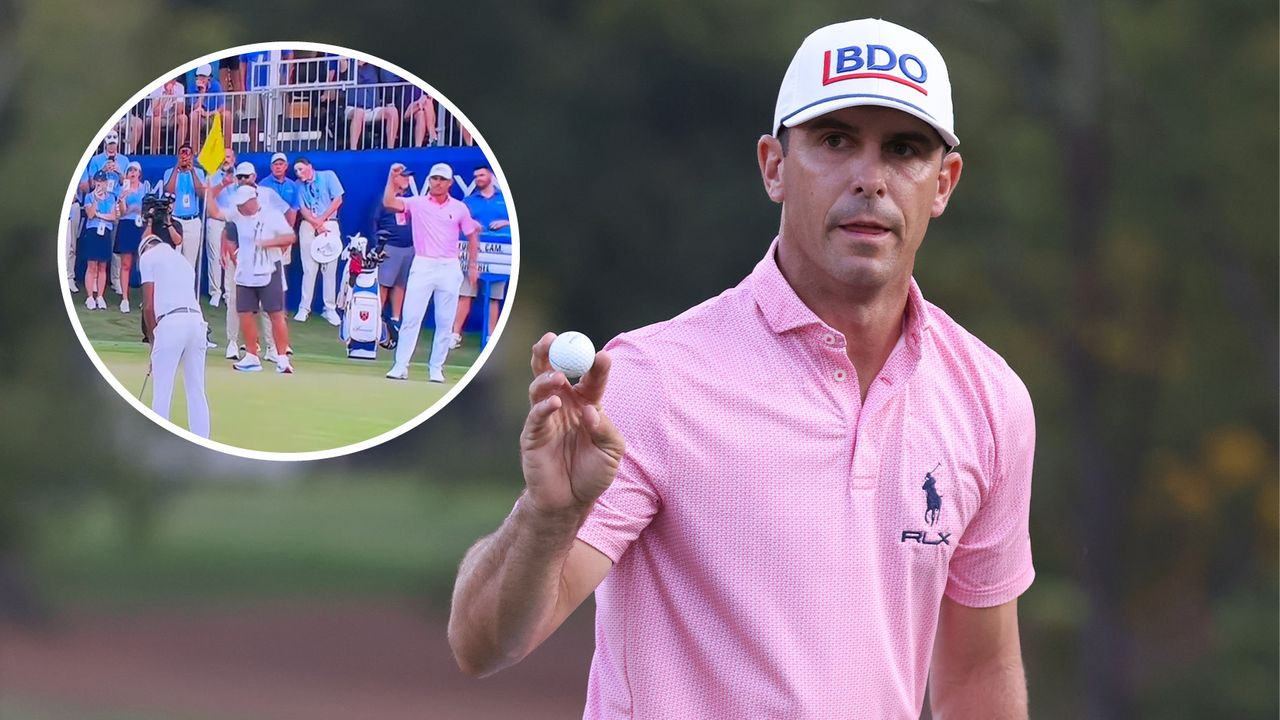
[(948, 178), (769, 154)]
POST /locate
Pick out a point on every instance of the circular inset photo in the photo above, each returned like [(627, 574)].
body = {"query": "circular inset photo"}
[(288, 251)]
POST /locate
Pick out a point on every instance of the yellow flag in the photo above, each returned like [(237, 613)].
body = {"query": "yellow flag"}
[(212, 152)]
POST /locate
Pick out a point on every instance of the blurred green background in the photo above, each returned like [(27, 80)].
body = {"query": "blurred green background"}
[(1115, 239)]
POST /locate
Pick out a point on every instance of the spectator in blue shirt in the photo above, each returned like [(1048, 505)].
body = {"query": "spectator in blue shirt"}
[(95, 241), (488, 207), (320, 194), (110, 161), (129, 231), (207, 101), (285, 187), (368, 102), (186, 182)]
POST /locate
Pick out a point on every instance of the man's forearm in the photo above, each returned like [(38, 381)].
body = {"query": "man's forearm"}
[(332, 209), (508, 588), (993, 691)]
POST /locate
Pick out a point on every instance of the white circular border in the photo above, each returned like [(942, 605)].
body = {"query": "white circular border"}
[(316, 454)]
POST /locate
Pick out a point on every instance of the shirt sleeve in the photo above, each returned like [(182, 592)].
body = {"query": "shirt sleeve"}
[(280, 223), (635, 402), (147, 267), (992, 562), (335, 185)]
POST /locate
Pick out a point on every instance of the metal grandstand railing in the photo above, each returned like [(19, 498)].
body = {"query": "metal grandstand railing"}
[(298, 113)]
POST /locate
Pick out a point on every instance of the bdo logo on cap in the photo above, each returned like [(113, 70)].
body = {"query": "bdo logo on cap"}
[(879, 62)]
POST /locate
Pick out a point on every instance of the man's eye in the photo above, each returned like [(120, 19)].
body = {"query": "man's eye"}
[(902, 149)]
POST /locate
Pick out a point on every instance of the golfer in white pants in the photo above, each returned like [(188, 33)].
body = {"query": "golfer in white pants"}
[(320, 196), (177, 330), (436, 219)]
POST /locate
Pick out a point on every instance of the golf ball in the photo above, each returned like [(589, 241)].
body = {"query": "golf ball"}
[(572, 354)]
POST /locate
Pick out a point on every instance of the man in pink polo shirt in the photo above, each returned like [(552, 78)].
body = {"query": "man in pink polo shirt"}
[(822, 507), (436, 220)]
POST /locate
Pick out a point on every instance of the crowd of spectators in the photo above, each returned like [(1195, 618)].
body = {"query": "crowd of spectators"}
[(316, 101)]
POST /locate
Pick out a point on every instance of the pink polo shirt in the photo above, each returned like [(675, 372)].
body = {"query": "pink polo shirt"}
[(776, 553), (436, 225)]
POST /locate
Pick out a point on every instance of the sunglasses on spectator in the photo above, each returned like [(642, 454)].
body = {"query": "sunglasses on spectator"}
[(243, 177)]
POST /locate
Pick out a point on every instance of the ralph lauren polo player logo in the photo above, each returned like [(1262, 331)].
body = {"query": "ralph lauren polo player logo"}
[(932, 508), (932, 500)]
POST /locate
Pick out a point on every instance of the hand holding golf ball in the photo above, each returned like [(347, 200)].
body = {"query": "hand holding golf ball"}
[(569, 449), (572, 353)]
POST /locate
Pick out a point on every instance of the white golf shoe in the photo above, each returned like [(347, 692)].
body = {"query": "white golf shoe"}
[(233, 352), (455, 342), (398, 374), (302, 315), (250, 363), (124, 305), (91, 303), (283, 366), (436, 376), (332, 317)]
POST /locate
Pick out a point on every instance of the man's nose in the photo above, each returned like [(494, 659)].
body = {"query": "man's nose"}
[(868, 177)]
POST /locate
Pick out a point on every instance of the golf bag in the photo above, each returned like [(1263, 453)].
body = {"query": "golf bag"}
[(358, 302)]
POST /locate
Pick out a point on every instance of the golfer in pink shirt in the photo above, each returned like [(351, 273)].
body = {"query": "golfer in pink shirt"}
[(820, 509), (436, 220)]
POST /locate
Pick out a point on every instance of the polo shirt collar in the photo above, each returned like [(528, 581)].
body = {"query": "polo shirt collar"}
[(783, 309)]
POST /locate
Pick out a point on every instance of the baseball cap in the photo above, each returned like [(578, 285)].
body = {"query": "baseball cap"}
[(206, 70), (112, 137), (245, 168), (134, 164), (441, 170), (866, 62), (100, 176), (404, 169), (279, 156), (243, 194)]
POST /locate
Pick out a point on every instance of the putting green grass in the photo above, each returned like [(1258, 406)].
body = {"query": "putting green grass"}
[(329, 401)]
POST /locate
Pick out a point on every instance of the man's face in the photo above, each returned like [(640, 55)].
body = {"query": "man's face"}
[(304, 172), (133, 173), (278, 169), (438, 186), (229, 158), (483, 179), (858, 187), (184, 156), (202, 82), (245, 179), (111, 149)]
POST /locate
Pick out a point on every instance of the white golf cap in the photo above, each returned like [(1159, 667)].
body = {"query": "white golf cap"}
[(206, 70), (441, 170), (112, 137), (245, 168), (279, 157), (867, 62), (243, 194), (134, 164)]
